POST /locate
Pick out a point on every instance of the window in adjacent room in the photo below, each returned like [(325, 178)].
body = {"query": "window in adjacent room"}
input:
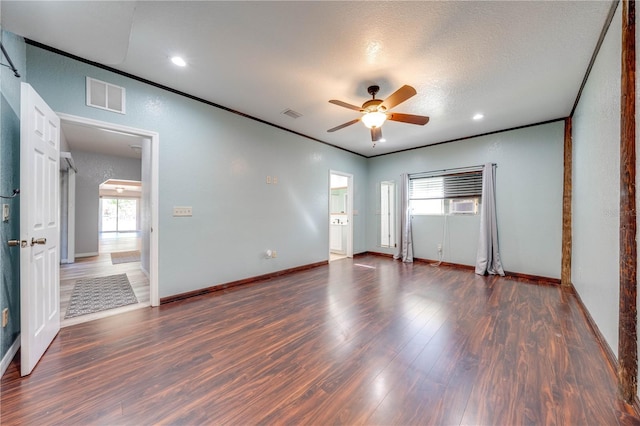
[(119, 214)]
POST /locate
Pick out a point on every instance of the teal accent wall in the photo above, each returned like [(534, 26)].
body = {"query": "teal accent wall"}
[(10, 179), (217, 162)]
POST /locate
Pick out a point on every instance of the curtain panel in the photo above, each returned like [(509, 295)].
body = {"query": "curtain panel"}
[(488, 255), (405, 246)]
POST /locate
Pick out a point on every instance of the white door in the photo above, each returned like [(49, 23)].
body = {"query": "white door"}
[(39, 227)]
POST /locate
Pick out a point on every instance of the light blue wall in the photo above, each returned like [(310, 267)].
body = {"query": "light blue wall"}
[(596, 188), (10, 179), (528, 198), (217, 162)]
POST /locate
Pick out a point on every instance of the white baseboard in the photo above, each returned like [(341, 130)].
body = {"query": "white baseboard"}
[(145, 272), (93, 253), (6, 360)]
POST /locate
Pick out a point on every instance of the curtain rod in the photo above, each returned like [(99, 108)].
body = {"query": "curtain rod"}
[(453, 169), (13, 67)]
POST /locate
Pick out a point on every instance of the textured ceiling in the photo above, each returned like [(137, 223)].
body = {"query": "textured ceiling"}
[(516, 62)]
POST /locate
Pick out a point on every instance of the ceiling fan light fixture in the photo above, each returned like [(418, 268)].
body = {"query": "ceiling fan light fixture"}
[(374, 119)]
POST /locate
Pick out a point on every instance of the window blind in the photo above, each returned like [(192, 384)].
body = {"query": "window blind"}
[(430, 186)]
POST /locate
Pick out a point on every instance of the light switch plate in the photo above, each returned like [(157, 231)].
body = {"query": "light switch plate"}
[(5, 212), (182, 211)]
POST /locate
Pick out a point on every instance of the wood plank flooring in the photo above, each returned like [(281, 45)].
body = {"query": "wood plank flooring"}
[(358, 341), (101, 266)]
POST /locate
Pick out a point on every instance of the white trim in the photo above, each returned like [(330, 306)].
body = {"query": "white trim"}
[(145, 272), (154, 293), (8, 357), (88, 254), (71, 217)]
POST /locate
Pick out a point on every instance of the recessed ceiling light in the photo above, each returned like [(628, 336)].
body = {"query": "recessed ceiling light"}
[(478, 116), (178, 61)]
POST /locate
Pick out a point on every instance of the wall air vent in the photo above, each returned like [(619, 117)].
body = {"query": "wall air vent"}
[(291, 113), (105, 96)]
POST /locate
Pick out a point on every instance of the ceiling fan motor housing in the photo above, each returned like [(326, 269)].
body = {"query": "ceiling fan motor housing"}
[(373, 105), (372, 90)]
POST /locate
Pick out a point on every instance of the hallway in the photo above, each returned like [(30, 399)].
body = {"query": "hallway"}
[(100, 266)]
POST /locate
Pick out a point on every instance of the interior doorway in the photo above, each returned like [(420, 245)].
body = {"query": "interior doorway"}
[(144, 238), (340, 215)]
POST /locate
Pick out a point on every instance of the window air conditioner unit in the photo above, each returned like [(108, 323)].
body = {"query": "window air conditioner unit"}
[(463, 206)]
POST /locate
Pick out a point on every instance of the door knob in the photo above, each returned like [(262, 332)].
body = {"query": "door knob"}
[(13, 243), (35, 241)]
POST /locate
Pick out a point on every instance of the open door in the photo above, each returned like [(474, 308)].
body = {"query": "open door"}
[(340, 217), (39, 227)]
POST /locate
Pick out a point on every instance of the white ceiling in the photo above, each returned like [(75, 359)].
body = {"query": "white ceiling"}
[(516, 62), (81, 137)]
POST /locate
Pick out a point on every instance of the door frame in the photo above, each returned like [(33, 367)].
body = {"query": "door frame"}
[(71, 215), (154, 294), (349, 177)]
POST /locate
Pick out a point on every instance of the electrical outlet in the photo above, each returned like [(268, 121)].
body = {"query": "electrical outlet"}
[(275, 180), (268, 180), (274, 254), (439, 248), (5, 212), (5, 317), (184, 211)]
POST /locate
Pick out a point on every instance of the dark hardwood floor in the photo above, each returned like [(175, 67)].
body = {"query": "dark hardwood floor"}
[(363, 341)]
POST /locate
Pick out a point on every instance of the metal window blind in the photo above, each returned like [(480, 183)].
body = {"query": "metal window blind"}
[(430, 186)]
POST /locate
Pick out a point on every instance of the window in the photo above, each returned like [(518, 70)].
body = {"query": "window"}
[(387, 214), (119, 214), (442, 193)]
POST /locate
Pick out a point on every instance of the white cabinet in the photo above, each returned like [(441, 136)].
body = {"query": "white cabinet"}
[(337, 241)]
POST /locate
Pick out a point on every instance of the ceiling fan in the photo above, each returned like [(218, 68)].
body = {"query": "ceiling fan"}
[(374, 111)]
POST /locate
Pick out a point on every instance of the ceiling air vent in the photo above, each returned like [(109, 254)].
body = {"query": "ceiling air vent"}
[(105, 96), (291, 113)]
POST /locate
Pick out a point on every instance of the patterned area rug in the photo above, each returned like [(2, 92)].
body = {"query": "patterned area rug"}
[(99, 294), (125, 257)]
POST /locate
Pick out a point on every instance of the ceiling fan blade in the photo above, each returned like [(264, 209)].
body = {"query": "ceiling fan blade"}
[(342, 126), (376, 134), (345, 105), (408, 118), (399, 96)]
